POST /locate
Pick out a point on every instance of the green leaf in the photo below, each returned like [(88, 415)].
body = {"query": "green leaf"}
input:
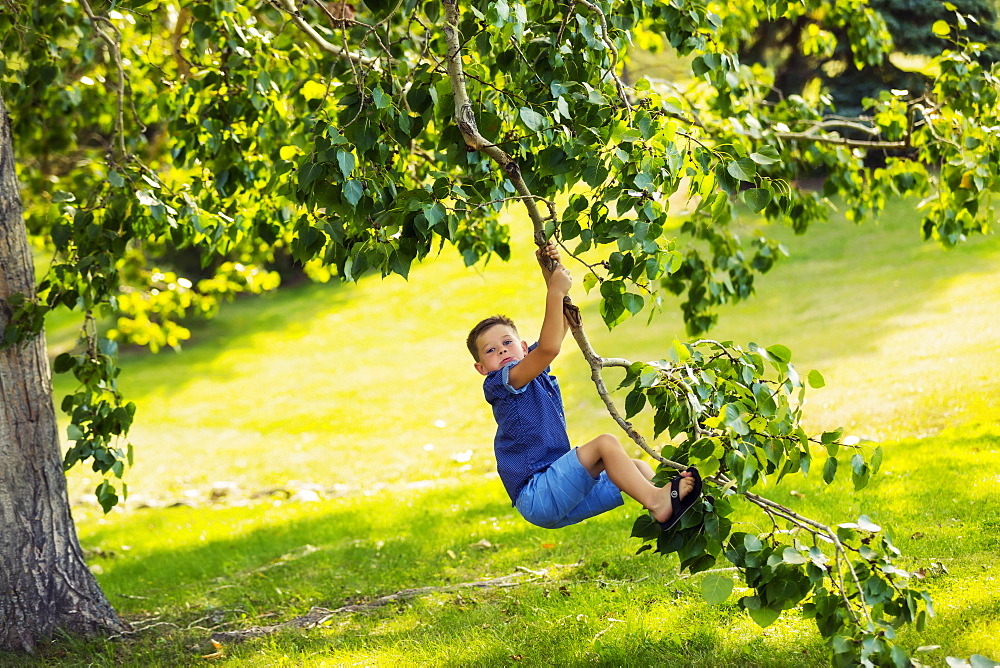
[(645, 527), (757, 198), (865, 524), (589, 281), (941, 28), (63, 196), (876, 460), (634, 403), (829, 470), (860, 473), (716, 588), (346, 161), (649, 377), (780, 353), (816, 379), (768, 155), (752, 543), (380, 99), (734, 420), (764, 617), (643, 181), (534, 120), (793, 556), (726, 181), (63, 363), (679, 352), (106, 496), (743, 169), (353, 191), (632, 302), (434, 213)]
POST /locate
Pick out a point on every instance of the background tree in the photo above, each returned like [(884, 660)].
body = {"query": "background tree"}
[(359, 144), (806, 49)]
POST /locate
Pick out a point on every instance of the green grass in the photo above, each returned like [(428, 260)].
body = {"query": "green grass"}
[(365, 395)]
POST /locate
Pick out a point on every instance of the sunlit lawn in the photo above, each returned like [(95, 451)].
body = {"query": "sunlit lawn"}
[(364, 397)]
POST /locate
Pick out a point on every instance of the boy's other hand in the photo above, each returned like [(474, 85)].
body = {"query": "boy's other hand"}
[(548, 256)]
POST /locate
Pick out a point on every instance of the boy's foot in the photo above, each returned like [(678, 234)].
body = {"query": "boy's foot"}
[(677, 498)]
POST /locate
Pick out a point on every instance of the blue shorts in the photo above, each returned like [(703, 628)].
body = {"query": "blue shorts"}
[(565, 494)]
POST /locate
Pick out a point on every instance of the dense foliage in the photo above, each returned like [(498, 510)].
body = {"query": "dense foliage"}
[(734, 414), (348, 139)]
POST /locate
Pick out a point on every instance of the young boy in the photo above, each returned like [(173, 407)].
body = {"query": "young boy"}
[(549, 483)]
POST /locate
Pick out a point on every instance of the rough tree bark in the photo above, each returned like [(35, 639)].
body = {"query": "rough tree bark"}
[(45, 585)]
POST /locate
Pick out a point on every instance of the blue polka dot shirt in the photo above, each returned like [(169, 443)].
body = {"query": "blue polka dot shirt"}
[(531, 426)]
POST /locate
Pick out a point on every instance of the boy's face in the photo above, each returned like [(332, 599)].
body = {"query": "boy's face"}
[(498, 346)]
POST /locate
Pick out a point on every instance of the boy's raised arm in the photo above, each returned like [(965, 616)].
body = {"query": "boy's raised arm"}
[(558, 282)]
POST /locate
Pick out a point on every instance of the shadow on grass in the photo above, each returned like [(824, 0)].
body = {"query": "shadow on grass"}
[(251, 563), (580, 577)]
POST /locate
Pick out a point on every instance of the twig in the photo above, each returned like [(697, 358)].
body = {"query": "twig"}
[(850, 124), (318, 616), (606, 38), (841, 141), (115, 52), (562, 26), (357, 58)]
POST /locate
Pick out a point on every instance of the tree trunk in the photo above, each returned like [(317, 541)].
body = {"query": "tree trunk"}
[(45, 584)]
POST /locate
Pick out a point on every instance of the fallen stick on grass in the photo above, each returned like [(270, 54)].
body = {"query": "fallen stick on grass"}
[(318, 616)]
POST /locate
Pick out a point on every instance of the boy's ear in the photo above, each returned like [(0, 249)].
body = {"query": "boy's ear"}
[(481, 369), (524, 346)]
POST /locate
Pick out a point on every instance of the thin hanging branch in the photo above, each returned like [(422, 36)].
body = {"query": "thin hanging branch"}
[(102, 25)]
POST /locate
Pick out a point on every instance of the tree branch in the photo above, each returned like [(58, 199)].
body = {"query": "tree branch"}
[(467, 125), (841, 141), (466, 121), (341, 52), (850, 124)]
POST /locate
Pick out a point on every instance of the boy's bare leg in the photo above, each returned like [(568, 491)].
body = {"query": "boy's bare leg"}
[(605, 453), (645, 469)]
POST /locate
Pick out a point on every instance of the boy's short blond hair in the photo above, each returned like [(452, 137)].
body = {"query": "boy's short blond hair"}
[(492, 321)]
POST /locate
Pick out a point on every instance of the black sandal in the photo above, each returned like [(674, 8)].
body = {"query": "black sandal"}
[(679, 505)]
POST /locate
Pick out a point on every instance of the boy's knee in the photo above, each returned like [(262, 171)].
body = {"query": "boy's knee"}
[(609, 441)]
